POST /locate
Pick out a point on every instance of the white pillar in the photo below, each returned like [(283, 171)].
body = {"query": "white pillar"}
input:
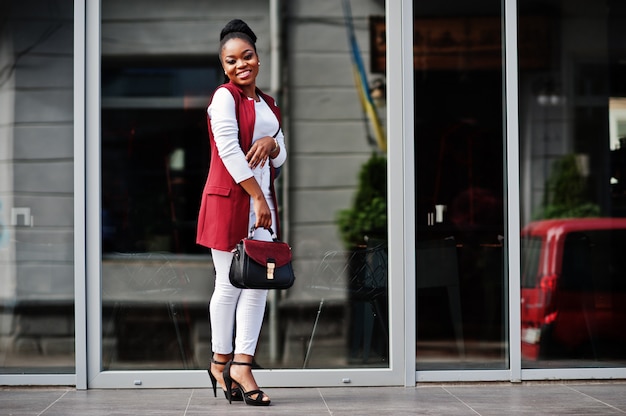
[(7, 104)]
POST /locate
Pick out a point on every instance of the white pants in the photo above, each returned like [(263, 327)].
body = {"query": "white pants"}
[(229, 304)]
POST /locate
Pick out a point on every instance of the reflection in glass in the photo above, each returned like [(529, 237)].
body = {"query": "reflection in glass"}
[(337, 314), (157, 77), (572, 144), (573, 291), (155, 279), (36, 188), (461, 288), (154, 310), (353, 285)]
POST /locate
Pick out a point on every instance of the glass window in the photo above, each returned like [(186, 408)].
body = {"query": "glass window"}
[(459, 136), (337, 314), (158, 73), (572, 90), (154, 152), (36, 188), (154, 158)]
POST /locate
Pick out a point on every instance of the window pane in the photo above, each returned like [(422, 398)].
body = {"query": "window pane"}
[(461, 302), (36, 187), (337, 315), (154, 158), (158, 72), (572, 90)]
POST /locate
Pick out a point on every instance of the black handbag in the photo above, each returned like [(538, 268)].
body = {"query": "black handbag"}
[(261, 264)]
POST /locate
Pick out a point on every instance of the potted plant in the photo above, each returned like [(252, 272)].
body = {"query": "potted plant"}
[(366, 220), (363, 229)]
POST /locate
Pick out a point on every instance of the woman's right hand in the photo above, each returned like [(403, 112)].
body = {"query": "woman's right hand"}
[(262, 213)]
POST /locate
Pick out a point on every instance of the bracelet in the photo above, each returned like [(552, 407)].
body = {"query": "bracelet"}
[(275, 146)]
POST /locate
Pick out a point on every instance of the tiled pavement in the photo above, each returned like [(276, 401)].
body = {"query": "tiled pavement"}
[(532, 398)]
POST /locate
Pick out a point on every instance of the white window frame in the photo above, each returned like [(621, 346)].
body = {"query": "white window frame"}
[(399, 263)]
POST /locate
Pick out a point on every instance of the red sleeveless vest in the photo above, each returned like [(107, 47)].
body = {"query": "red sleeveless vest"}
[(225, 205)]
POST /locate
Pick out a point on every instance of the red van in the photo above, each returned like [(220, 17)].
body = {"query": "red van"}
[(574, 288)]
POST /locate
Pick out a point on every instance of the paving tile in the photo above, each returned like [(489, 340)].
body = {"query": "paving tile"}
[(521, 399), (612, 395), (284, 402), (20, 402), (392, 401), (121, 402)]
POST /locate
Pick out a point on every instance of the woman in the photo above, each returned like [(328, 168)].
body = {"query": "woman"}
[(247, 145)]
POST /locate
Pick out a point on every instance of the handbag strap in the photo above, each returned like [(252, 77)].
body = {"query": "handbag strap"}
[(272, 233)]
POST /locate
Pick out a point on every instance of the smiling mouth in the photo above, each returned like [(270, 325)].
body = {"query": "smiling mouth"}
[(244, 74)]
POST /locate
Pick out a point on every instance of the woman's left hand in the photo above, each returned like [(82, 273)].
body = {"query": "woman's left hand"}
[(260, 151)]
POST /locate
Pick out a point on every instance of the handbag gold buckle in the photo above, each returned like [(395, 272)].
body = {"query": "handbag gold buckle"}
[(270, 269)]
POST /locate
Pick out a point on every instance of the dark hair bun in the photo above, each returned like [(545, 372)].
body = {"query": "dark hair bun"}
[(237, 26)]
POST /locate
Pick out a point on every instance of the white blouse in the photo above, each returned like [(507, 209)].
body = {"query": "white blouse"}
[(225, 132)]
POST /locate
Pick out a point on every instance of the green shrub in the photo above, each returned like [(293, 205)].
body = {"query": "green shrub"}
[(566, 192), (368, 216)]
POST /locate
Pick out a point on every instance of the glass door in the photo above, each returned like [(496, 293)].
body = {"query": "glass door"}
[(572, 162), (37, 309), (158, 69), (462, 291)]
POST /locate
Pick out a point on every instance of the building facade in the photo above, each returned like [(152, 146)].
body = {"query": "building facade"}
[(429, 146)]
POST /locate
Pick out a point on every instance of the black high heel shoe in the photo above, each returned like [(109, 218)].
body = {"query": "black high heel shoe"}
[(247, 395), (234, 395)]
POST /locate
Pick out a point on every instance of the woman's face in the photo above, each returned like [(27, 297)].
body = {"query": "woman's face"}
[(240, 62)]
